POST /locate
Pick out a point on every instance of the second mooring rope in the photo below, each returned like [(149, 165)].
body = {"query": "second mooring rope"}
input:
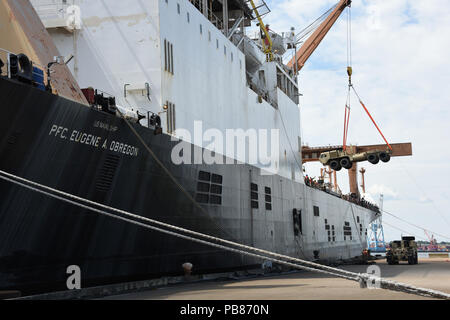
[(128, 217)]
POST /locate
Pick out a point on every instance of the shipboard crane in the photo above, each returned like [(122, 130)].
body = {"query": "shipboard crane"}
[(298, 61)]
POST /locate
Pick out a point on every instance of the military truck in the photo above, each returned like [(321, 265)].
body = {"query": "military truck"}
[(404, 250), (338, 159)]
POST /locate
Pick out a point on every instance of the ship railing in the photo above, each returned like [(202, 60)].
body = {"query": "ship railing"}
[(216, 21), (58, 14), (52, 9), (260, 5), (328, 188)]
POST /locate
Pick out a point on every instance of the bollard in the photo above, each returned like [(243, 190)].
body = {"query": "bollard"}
[(187, 267)]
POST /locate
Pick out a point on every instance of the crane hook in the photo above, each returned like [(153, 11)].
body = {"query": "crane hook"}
[(350, 73)]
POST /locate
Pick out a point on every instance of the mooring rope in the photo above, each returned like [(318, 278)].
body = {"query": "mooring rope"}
[(363, 279)]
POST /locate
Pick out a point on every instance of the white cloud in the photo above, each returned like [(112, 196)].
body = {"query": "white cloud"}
[(388, 193), (424, 199)]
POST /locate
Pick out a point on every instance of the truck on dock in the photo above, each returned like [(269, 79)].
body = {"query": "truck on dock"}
[(403, 250), (338, 159)]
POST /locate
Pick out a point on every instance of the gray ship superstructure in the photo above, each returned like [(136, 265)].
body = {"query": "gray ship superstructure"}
[(174, 61)]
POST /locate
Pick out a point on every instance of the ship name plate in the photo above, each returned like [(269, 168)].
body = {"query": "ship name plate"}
[(92, 140)]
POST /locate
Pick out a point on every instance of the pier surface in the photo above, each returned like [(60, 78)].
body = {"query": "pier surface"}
[(430, 273)]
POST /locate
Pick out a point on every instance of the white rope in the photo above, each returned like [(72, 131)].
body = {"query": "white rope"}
[(363, 279), (9, 177), (171, 232)]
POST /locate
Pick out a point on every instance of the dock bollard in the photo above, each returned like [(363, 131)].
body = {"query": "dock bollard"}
[(187, 267)]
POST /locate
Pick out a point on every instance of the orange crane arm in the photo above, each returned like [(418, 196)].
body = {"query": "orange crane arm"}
[(316, 38)]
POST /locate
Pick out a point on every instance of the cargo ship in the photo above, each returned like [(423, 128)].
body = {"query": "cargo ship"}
[(167, 67)]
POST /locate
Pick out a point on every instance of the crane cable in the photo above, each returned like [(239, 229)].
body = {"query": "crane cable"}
[(347, 118), (349, 72), (351, 87), (371, 118)]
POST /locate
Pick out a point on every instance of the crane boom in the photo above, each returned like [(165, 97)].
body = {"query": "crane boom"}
[(316, 38)]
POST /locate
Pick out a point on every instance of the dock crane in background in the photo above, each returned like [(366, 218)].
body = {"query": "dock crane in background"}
[(433, 242), (375, 239)]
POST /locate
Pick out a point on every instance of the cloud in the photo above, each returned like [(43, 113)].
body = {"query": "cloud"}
[(388, 193), (424, 199)]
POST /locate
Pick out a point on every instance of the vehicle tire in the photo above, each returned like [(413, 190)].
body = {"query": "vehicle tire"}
[(335, 165), (346, 163), (389, 261), (385, 157), (411, 261), (373, 159)]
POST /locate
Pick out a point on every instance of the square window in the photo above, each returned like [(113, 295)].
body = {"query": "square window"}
[(216, 189), (203, 187), (202, 198), (316, 211), (215, 200), (204, 176), (217, 179)]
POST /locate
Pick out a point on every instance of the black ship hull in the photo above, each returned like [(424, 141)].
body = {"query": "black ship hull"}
[(94, 155)]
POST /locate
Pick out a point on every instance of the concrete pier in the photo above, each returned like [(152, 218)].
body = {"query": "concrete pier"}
[(430, 273)]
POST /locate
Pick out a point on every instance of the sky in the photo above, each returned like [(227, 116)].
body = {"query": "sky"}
[(401, 51)]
